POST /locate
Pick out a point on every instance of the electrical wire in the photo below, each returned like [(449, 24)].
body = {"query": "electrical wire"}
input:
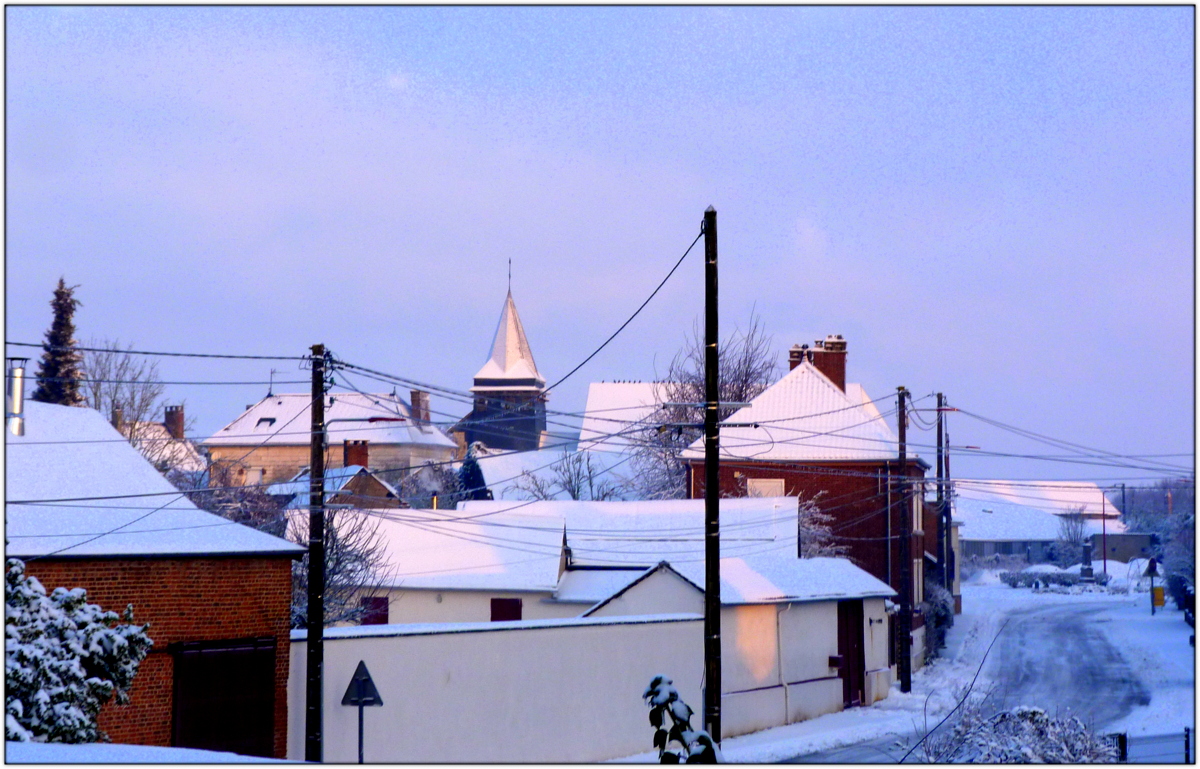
[(48, 347)]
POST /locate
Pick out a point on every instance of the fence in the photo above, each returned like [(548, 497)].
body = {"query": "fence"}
[(1171, 748)]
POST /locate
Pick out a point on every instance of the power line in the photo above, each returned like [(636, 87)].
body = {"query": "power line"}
[(167, 354), (641, 307)]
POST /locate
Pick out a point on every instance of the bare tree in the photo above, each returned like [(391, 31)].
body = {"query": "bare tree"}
[(355, 560), (576, 475), (1072, 533), (126, 389), (215, 492), (419, 487), (746, 367)]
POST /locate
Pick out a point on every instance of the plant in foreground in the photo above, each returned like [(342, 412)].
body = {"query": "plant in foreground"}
[(695, 746)]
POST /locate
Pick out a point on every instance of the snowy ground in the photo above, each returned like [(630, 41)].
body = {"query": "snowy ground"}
[(107, 753), (1154, 649)]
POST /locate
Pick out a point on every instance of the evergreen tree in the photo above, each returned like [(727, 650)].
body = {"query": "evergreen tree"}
[(63, 659), (60, 371)]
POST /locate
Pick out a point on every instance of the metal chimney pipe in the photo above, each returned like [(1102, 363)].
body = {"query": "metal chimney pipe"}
[(15, 400)]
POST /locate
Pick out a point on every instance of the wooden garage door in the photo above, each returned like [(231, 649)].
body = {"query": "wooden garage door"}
[(850, 647), (225, 696)]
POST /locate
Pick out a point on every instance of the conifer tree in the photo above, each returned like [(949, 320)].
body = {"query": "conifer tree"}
[(60, 370)]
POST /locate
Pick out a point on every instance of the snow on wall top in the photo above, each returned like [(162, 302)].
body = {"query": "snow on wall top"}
[(71, 452), (511, 357), (805, 416), (591, 587), (1051, 496), (285, 420), (997, 521), (617, 407)]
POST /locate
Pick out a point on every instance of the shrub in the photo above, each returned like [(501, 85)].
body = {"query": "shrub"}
[(938, 608), (1065, 579), (695, 747), (1022, 735)]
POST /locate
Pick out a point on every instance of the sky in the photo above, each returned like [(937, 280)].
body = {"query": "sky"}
[(993, 203)]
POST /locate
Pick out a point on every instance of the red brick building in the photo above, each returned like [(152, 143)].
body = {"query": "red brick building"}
[(85, 509), (812, 433)]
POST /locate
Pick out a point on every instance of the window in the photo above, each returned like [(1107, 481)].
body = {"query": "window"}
[(375, 609), (254, 476), (268, 421), (765, 487), (505, 609)]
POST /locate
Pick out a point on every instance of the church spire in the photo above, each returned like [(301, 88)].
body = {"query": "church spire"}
[(510, 366)]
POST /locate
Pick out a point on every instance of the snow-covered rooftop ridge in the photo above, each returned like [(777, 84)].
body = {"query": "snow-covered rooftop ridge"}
[(285, 420), (806, 417), (1051, 496), (75, 455), (511, 361), (615, 410), (997, 521), (437, 628)]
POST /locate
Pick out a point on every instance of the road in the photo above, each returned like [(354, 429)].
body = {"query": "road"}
[(1054, 657)]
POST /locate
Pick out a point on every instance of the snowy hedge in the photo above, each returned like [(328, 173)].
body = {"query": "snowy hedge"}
[(1064, 578), (63, 659), (1023, 735)]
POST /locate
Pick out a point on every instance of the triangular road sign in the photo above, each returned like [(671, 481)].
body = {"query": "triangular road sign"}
[(361, 690)]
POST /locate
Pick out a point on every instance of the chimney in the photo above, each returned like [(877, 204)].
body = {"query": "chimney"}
[(118, 417), (420, 406), (14, 401), (797, 355), (355, 453), (829, 357), (173, 421)]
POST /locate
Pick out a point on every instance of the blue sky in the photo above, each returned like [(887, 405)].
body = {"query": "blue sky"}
[(996, 203)]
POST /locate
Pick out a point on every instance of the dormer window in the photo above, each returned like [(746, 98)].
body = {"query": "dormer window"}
[(268, 421)]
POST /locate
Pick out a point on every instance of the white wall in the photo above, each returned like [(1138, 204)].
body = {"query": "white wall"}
[(411, 606), (505, 692), (660, 592)]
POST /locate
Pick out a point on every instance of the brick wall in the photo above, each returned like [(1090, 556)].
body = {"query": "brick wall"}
[(856, 495), (185, 599)]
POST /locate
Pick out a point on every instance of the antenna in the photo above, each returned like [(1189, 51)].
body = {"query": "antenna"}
[(510, 274), (271, 386)]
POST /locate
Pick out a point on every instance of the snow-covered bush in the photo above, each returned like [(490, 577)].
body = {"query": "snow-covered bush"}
[(63, 659), (938, 608), (696, 745), (1063, 578), (1022, 735)]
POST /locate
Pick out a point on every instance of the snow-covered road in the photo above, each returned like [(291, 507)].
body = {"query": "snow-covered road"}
[(1058, 657), (1102, 656)]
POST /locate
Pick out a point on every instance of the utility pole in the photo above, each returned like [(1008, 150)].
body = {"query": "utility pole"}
[(943, 528), (1104, 528), (316, 562), (712, 489), (906, 578)]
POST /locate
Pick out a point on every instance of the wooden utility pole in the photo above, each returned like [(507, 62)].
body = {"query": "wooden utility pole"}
[(712, 489), (943, 524), (906, 578), (316, 562)]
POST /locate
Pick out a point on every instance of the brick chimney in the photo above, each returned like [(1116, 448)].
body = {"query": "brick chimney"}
[(355, 453), (118, 417), (797, 355), (829, 357), (420, 406), (173, 421)]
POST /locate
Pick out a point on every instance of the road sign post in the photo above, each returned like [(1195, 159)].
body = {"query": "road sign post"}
[(362, 693)]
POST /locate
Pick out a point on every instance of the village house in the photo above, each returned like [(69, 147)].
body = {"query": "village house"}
[(163, 443), (270, 441), (352, 485), (505, 597), (85, 509)]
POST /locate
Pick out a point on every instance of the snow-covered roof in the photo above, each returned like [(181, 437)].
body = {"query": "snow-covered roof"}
[(503, 470), (590, 587), (159, 446), (285, 420), (517, 546), (510, 365), (1051, 496), (336, 479), (997, 521), (806, 417), (615, 410), (75, 455), (445, 550)]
